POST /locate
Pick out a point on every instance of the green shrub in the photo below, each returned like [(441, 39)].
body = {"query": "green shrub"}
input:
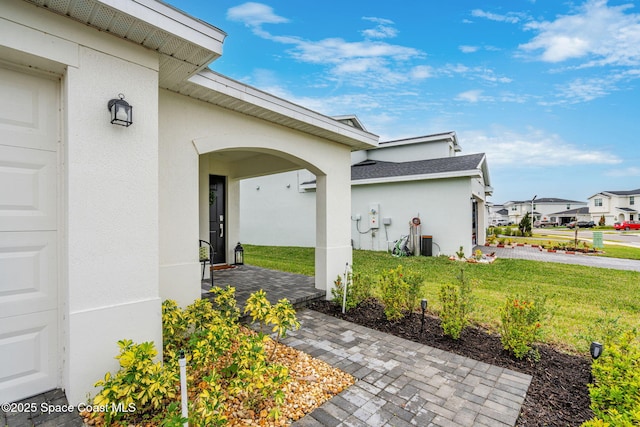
[(393, 291), (225, 360), (359, 288), (457, 303), (141, 386), (521, 324), (615, 393)]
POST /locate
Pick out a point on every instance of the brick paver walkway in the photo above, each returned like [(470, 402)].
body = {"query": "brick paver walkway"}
[(403, 383)]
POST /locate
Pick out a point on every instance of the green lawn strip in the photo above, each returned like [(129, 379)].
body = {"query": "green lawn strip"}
[(577, 294)]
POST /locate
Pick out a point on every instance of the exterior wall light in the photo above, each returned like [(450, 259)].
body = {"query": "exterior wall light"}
[(121, 111)]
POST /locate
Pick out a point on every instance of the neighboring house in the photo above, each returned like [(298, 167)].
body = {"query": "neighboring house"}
[(399, 180), (498, 214), (100, 223), (616, 206), (544, 209), (578, 214)]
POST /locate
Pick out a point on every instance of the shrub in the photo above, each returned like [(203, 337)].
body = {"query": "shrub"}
[(456, 305), (521, 324), (615, 393), (226, 361), (359, 288), (141, 386), (525, 225), (393, 290)]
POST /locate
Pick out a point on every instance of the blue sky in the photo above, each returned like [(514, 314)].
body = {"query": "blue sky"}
[(548, 89)]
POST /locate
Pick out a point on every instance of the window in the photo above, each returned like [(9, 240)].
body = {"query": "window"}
[(632, 200), (597, 202)]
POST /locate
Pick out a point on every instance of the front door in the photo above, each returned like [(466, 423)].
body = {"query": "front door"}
[(217, 218)]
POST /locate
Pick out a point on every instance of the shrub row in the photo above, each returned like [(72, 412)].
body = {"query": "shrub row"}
[(398, 291), (227, 361)]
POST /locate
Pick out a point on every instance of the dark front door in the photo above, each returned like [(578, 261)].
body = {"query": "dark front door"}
[(217, 229)]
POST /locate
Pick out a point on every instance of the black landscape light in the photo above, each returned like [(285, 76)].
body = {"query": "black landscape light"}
[(595, 350), (423, 306)]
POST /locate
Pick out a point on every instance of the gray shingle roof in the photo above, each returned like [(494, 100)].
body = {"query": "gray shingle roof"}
[(372, 169), (624, 193)]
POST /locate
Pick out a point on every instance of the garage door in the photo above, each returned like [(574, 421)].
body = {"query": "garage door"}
[(29, 135)]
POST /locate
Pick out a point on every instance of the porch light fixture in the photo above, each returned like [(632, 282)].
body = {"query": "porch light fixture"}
[(238, 254), (121, 111), (596, 349)]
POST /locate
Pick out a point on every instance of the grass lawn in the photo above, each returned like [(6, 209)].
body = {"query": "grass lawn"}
[(578, 295), (610, 250)]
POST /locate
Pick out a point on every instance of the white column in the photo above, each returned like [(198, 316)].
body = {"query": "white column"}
[(333, 226)]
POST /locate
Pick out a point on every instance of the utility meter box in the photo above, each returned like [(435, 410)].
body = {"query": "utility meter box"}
[(374, 215)]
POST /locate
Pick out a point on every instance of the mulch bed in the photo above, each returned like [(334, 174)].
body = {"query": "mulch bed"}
[(558, 395)]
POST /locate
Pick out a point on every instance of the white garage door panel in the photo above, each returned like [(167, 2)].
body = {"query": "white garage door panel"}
[(28, 355), (28, 113), (29, 140), (28, 268), (28, 182)]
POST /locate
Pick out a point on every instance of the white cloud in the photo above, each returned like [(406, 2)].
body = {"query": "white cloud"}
[(510, 18), (472, 96), (596, 32), (468, 49), (383, 30), (588, 89), (535, 148), (624, 172), (254, 14)]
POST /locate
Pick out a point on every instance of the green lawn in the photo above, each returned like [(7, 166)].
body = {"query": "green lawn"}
[(579, 295)]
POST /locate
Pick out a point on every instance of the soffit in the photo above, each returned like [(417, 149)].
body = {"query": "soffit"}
[(185, 44)]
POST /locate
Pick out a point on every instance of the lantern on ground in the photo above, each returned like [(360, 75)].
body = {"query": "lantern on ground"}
[(238, 254)]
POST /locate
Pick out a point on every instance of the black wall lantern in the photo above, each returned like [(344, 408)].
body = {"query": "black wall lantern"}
[(121, 111), (239, 254)]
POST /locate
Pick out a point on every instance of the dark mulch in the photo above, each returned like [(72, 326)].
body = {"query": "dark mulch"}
[(558, 394)]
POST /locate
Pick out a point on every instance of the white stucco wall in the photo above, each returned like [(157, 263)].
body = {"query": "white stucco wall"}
[(274, 209), (198, 139), (444, 207), (108, 256), (112, 175), (395, 152)]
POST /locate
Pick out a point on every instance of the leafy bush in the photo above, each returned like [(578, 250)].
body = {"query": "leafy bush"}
[(615, 393), (521, 324), (141, 386), (226, 362), (393, 291), (359, 288), (457, 303)]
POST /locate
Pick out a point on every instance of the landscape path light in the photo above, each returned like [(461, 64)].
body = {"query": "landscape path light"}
[(423, 306)]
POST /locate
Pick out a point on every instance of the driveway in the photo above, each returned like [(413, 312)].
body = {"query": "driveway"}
[(535, 254)]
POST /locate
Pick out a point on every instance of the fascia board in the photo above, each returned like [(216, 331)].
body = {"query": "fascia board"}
[(424, 177), (173, 21), (258, 98)]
